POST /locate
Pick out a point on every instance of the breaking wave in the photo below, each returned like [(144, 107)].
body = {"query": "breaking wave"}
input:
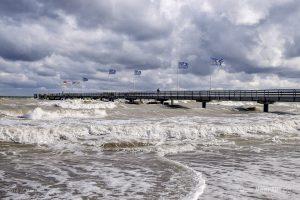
[(79, 104), (234, 103), (41, 114), (171, 132)]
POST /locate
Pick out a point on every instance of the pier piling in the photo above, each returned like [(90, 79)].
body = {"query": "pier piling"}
[(266, 107)]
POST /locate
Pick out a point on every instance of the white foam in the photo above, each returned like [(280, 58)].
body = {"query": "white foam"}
[(234, 103), (184, 101), (41, 114), (10, 113), (196, 191), (171, 132), (79, 104), (290, 104)]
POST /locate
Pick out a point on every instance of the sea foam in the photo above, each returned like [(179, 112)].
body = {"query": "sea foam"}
[(79, 104), (172, 132), (41, 114)]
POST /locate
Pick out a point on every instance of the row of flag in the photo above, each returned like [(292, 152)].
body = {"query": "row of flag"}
[(75, 83), (181, 65), (114, 71), (216, 61)]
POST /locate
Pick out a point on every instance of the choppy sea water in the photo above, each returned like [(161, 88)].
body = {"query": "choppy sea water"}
[(79, 149)]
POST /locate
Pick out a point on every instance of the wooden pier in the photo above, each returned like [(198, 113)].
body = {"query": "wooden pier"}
[(264, 97)]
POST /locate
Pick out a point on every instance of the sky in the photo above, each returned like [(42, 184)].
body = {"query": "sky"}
[(43, 43)]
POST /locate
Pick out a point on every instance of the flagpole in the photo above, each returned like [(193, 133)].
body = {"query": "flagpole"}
[(133, 83), (181, 65), (82, 86), (210, 82), (109, 81), (61, 87), (217, 62), (136, 73), (177, 78)]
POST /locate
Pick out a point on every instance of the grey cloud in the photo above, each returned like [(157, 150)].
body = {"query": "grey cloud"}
[(136, 18), (43, 39), (18, 8), (221, 38), (13, 51), (19, 42)]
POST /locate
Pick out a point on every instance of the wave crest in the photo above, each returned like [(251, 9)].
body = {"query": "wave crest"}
[(41, 114), (123, 134), (79, 104)]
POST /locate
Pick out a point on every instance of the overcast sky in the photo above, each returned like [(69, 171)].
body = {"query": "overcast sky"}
[(43, 43)]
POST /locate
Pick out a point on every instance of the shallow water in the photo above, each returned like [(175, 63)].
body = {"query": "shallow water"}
[(101, 150)]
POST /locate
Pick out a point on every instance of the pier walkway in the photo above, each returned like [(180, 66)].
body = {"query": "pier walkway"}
[(265, 97)]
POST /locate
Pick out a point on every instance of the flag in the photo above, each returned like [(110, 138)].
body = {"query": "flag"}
[(220, 61), (75, 83), (217, 61), (183, 65), (137, 72), (84, 79), (214, 60), (112, 71), (65, 82)]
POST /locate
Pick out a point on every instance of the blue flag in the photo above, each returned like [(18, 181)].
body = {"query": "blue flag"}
[(76, 83), (84, 79), (220, 61), (183, 65), (112, 71), (217, 61), (137, 72)]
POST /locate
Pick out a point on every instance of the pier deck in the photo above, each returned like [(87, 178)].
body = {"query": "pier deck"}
[(265, 97)]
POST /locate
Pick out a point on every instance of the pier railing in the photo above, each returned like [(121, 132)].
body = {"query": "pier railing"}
[(273, 95)]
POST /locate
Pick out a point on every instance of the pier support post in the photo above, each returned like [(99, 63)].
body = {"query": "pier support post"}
[(203, 104), (266, 107), (131, 101), (172, 102)]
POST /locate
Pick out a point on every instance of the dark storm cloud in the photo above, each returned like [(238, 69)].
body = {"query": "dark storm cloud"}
[(89, 14), (11, 50), (25, 10), (19, 8), (136, 18), (44, 42)]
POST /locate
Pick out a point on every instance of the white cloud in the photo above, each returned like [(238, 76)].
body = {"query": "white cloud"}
[(258, 40)]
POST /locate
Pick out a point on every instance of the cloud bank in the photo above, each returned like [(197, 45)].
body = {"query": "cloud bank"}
[(43, 43)]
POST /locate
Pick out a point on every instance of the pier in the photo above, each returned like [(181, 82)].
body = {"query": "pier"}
[(265, 97)]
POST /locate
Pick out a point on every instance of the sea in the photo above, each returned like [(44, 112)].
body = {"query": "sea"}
[(90, 149)]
